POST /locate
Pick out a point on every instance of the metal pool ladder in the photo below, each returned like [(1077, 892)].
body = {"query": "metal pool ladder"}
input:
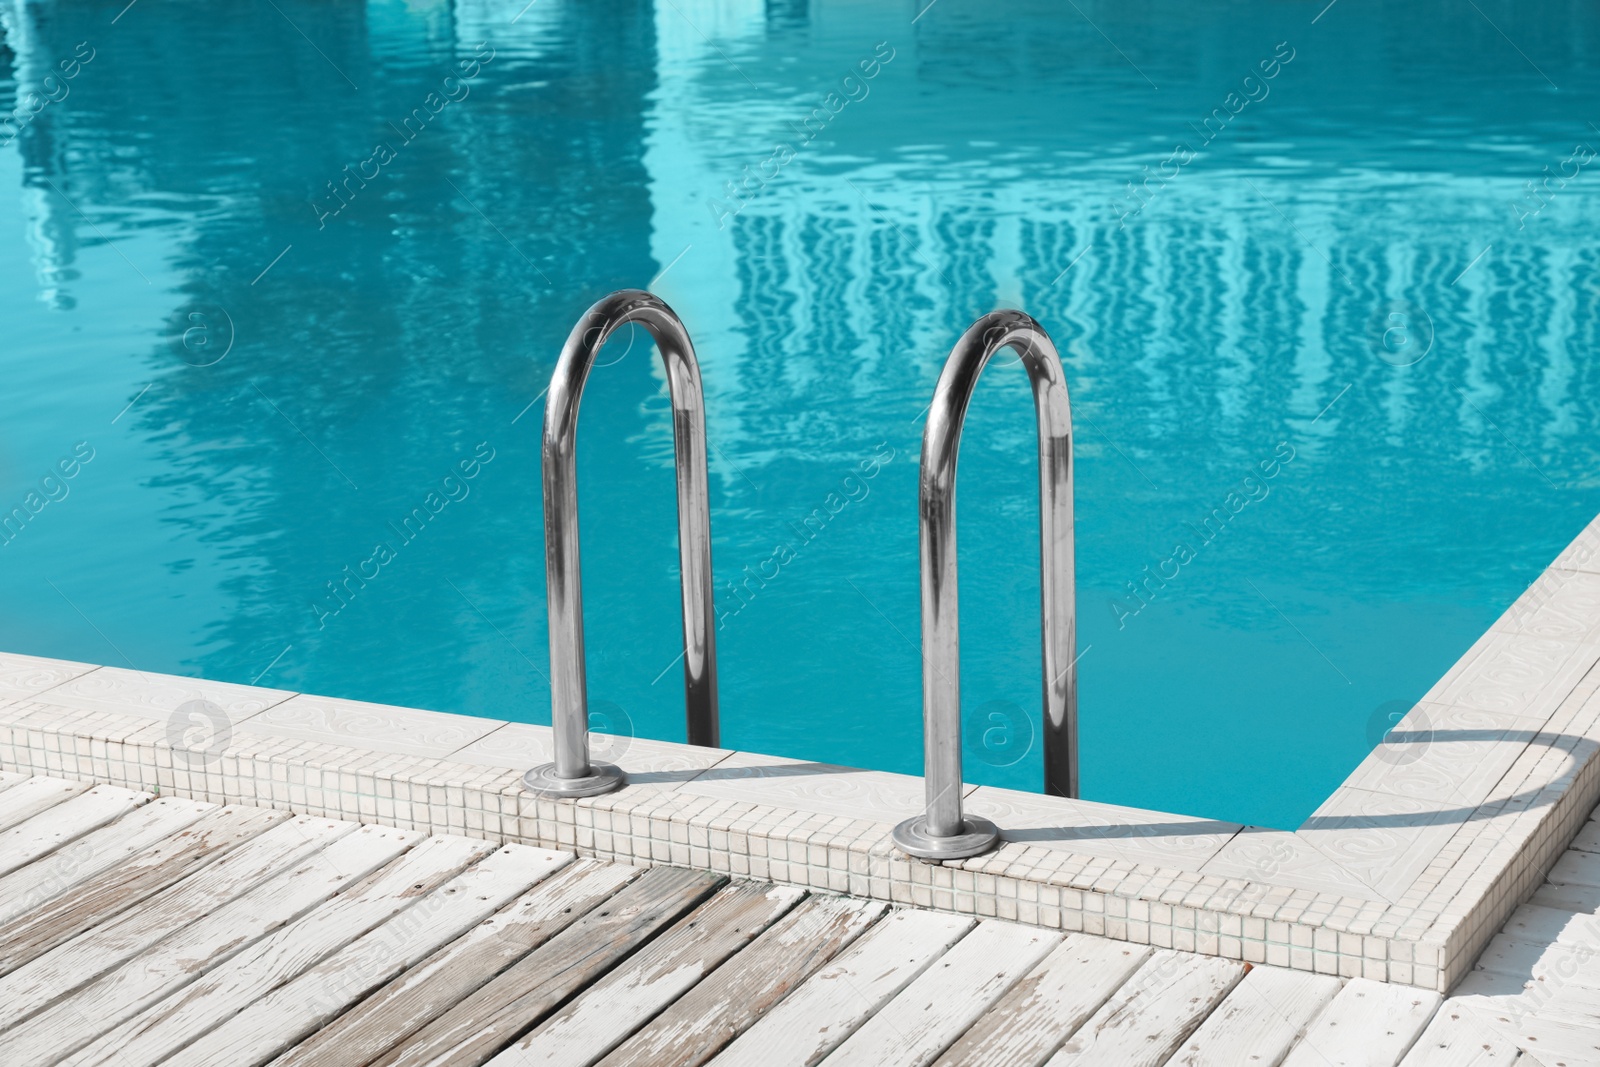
[(942, 832), (572, 774)]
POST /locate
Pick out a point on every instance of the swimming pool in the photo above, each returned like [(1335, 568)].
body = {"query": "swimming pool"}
[(280, 275)]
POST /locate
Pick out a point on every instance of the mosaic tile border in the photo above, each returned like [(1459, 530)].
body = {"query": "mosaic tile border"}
[(1402, 875)]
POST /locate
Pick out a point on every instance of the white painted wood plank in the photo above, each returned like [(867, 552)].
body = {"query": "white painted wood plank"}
[(10, 778), (1535, 922), (294, 1011), (1558, 1042), (1260, 1020), (71, 865), (1047, 1006), (1458, 1037), (1588, 839), (831, 1004), (461, 968), (727, 1002), (72, 1021), (1485, 991), (65, 822), (99, 949), (1577, 998), (1537, 960), (1573, 868), (604, 1015), (26, 799), (151, 880), (1369, 1024), (937, 1008), (528, 991), (1146, 1020), (185, 1014), (1579, 898)]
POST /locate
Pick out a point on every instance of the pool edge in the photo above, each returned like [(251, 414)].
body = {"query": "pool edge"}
[(1402, 875)]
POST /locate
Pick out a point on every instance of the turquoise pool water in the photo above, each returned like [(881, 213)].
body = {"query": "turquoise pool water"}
[(279, 273)]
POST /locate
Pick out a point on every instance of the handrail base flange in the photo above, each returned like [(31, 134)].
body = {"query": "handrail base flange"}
[(978, 836), (602, 778)]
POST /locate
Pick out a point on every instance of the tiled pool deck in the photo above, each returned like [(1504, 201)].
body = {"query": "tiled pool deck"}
[(1402, 875)]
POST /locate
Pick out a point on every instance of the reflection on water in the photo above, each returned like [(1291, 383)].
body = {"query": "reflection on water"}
[(285, 269)]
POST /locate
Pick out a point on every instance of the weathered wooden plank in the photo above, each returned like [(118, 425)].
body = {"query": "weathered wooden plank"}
[(1458, 1037), (605, 1014), (65, 822), (75, 863), (1260, 1020), (10, 778), (1535, 922), (1580, 898), (172, 1021), (72, 1021), (1573, 868), (156, 875), (1500, 1005), (1369, 1024), (1049, 1004), (480, 1025), (938, 1007), (1575, 997), (830, 1005), (720, 1008), (28, 798), (1486, 991), (297, 1009), (1557, 1042), (1505, 955), (1588, 839), (1147, 1019), (428, 990), (166, 1026)]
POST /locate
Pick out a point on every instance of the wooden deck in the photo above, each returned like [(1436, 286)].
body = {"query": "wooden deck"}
[(136, 930)]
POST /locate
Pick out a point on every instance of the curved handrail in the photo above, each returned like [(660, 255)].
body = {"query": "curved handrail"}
[(942, 832), (571, 773)]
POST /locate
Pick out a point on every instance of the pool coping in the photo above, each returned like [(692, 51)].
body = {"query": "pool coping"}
[(1401, 875)]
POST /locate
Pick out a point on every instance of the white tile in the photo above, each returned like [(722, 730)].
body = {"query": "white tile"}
[(519, 746), (820, 788), (1091, 829), (1454, 756), (152, 696), (1516, 674), (25, 677), (1564, 605), (1277, 857), (1383, 839), (376, 727)]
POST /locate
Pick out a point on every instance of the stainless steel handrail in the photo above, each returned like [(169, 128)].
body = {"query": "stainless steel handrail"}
[(571, 774), (942, 832)]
